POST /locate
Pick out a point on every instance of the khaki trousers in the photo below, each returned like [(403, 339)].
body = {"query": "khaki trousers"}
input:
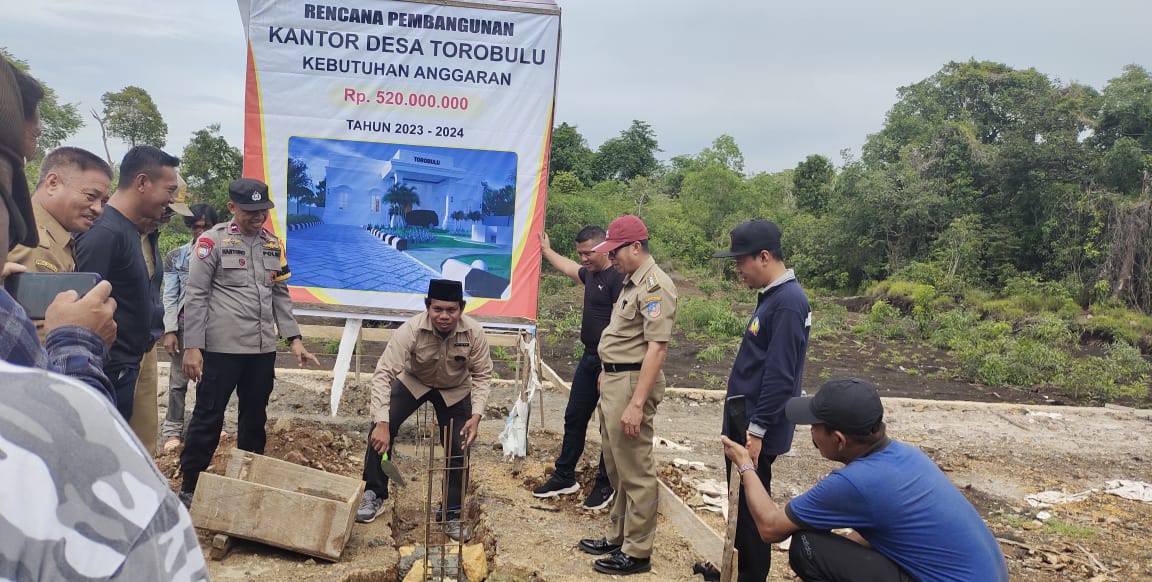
[(145, 421), (631, 468)]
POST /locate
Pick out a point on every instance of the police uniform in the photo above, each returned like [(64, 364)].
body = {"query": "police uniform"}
[(453, 372), (645, 312), (237, 300), (56, 252)]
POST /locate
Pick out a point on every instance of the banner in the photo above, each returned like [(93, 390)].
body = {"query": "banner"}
[(402, 142)]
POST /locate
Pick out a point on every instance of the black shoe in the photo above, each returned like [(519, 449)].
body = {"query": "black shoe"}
[(186, 499), (556, 486), (622, 564), (598, 547), (599, 498), (707, 570)]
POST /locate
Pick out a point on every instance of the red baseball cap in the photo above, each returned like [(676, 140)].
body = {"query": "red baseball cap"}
[(623, 230)]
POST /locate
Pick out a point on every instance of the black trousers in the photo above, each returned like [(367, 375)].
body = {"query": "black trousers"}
[(402, 405), (755, 554), (251, 376), (822, 556), (581, 404)]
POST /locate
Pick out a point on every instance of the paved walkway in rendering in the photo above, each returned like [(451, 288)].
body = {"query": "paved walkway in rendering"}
[(338, 256)]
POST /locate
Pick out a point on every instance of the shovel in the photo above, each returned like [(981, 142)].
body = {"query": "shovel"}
[(390, 470)]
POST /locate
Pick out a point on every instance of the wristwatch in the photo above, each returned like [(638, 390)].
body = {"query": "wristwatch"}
[(745, 467)]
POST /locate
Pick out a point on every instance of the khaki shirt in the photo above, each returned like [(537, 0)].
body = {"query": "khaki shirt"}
[(56, 251), (645, 312), (236, 292), (457, 365)]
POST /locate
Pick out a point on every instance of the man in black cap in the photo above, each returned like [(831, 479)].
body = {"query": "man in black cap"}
[(909, 521), (768, 369), (439, 356), (235, 306)]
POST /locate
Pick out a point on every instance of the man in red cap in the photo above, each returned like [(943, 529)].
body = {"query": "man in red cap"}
[(632, 350)]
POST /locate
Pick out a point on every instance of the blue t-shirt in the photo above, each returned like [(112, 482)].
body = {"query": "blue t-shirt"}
[(905, 506)]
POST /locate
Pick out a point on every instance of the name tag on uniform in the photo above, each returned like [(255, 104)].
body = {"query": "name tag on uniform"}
[(462, 345)]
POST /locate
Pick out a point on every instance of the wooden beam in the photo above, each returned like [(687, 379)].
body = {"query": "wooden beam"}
[(508, 339), (703, 538), (343, 311)]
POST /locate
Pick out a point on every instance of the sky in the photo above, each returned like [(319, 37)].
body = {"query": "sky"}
[(785, 79)]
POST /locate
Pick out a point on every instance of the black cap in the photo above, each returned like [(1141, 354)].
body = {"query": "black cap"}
[(249, 194), (751, 237), (849, 405), (445, 290)]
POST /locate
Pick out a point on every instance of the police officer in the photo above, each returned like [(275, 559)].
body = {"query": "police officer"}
[(439, 356), (237, 300), (768, 369), (632, 350)]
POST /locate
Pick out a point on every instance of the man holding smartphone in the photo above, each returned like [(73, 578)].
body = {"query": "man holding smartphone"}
[(70, 196), (77, 327)]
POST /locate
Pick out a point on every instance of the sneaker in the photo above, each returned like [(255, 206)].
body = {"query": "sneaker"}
[(599, 498), (456, 531), (370, 508), (556, 486), (186, 499)]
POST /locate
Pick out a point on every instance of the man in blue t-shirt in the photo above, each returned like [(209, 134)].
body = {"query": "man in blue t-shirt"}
[(909, 522)]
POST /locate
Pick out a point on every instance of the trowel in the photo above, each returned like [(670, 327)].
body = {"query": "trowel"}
[(390, 470)]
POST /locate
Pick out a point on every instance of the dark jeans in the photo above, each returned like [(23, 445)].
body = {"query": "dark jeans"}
[(755, 554), (123, 377), (822, 556), (251, 376), (401, 406), (581, 405)]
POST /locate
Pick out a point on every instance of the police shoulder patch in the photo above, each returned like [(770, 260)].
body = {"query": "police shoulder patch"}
[(204, 247)]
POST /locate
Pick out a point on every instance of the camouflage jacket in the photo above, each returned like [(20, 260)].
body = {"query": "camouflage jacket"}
[(80, 500)]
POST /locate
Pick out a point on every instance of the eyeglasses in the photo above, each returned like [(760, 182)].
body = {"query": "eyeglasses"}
[(612, 253)]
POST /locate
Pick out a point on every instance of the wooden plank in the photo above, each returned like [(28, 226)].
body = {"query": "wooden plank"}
[(553, 377), (375, 334), (247, 466), (272, 516), (703, 538), (343, 360), (728, 565), (324, 309)]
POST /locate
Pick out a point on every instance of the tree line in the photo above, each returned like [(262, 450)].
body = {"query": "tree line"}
[(981, 176)]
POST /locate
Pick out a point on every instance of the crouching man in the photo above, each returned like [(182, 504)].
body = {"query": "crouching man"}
[(439, 356), (909, 522)]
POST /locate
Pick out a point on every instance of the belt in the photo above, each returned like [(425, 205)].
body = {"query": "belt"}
[(621, 367)]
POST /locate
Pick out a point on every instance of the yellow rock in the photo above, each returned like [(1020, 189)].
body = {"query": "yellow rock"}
[(417, 573), (407, 551), (475, 562)]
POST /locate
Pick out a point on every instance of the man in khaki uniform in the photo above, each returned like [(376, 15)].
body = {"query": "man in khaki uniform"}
[(74, 185), (439, 356), (236, 303), (632, 350)]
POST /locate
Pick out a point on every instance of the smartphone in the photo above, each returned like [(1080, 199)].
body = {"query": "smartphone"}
[(35, 291), (737, 411)]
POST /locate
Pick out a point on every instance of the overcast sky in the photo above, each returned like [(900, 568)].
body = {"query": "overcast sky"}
[(786, 79)]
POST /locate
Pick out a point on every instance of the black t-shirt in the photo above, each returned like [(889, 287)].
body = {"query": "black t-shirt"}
[(601, 290)]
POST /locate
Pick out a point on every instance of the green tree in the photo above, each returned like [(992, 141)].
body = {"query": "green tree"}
[(299, 183), (58, 121), (812, 183), (209, 163), (131, 115), (725, 153), (498, 201), (569, 152), (1125, 166), (631, 154), (401, 198), (1126, 109)]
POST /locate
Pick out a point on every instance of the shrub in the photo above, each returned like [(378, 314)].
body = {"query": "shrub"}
[(713, 353), (710, 317)]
